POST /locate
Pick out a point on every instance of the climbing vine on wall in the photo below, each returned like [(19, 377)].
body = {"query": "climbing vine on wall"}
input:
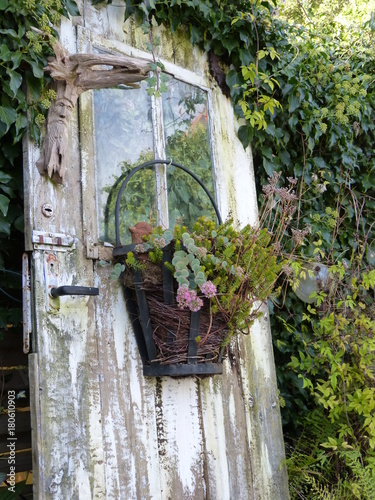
[(23, 52)]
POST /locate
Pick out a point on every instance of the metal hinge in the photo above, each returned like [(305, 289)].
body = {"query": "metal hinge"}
[(58, 242), (101, 250)]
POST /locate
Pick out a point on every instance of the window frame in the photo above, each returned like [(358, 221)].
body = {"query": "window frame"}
[(88, 42)]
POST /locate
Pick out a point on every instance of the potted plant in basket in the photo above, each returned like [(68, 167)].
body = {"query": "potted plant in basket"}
[(199, 288)]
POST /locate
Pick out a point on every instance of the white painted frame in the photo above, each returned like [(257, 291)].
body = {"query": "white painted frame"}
[(88, 43)]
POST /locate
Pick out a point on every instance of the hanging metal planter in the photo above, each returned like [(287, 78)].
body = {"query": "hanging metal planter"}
[(166, 350)]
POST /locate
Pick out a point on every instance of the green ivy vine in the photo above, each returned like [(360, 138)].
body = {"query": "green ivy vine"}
[(23, 53)]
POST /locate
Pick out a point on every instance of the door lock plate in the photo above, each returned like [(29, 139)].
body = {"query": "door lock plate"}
[(51, 273)]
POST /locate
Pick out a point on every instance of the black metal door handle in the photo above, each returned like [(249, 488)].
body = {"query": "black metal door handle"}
[(74, 290)]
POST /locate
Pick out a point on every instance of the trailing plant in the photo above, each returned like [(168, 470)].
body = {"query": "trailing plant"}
[(236, 270), (334, 361)]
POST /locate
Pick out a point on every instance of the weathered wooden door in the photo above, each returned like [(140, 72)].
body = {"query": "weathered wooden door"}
[(100, 428)]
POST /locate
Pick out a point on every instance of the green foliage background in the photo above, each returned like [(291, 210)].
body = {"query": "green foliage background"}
[(304, 89)]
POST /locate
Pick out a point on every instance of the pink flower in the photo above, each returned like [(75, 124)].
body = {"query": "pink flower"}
[(208, 289), (188, 298)]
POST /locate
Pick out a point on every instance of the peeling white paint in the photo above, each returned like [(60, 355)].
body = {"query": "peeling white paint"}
[(117, 311), (215, 440)]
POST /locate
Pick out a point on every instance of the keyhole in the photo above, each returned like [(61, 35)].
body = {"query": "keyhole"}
[(47, 210)]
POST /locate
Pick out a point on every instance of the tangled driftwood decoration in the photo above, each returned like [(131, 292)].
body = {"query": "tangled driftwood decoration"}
[(73, 74)]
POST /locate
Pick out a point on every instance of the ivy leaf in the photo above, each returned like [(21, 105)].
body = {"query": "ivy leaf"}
[(294, 102), (233, 81), (230, 44), (195, 34), (5, 53), (245, 135), (19, 223), (8, 191), (4, 226), (4, 4), (4, 204), (246, 57), (34, 85), (16, 59), (11, 33), (5, 178), (368, 181), (8, 115), (37, 70), (347, 160), (72, 8), (21, 123), (332, 139), (285, 157), (292, 121), (319, 162), (15, 81), (269, 167), (267, 152), (244, 37), (3, 129)]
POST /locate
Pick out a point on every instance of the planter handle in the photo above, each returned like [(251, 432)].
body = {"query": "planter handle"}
[(138, 305), (149, 164)]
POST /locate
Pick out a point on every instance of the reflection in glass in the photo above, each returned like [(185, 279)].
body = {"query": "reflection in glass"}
[(187, 139), (124, 139)]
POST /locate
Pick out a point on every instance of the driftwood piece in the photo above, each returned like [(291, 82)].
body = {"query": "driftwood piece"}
[(74, 74)]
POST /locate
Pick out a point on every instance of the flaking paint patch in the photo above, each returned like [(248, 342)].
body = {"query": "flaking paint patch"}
[(263, 420), (183, 435), (261, 346), (224, 156), (232, 410), (55, 482), (239, 464), (110, 454), (135, 394), (267, 471), (215, 439), (117, 314), (142, 401)]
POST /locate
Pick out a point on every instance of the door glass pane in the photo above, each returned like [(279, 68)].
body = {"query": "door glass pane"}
[(187, 138), (124, 139)]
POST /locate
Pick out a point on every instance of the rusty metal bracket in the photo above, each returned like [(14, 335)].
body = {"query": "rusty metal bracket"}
[(58, 242)]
